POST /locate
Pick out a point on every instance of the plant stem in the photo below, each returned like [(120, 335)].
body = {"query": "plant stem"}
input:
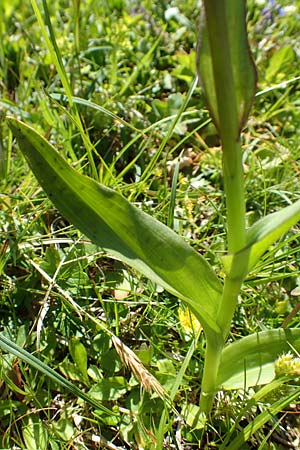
[(214, 346), (228, 304), (236, 233), (235, 200), (215, 342), (229, 123), (228, 120)]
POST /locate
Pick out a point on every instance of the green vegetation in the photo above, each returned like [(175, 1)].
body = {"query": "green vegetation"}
[(113, 88)]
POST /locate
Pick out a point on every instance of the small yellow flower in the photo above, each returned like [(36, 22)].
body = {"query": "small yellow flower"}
[(188, 321), (287, 364)]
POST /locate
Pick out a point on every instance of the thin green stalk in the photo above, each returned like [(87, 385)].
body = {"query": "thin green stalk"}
[(231, 290), (214, 347), (235, 198), (76, 5), (228, 304), (3, 62), (216, 342), (228, 122), (232, 286)]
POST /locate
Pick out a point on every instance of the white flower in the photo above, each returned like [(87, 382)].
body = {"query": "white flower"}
[(291, 9)]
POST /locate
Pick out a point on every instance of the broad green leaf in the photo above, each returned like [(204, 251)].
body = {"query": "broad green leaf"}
[(264, 233), (250, 360), (194, 417), (111, 388), (71, 371), (10, 347), (122, 229), (64, 428), (225, 66), (269, 229)]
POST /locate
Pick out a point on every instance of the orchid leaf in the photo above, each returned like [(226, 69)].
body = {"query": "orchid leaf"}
[(224, 60), (121, 229), (266, 231), (250, 361), (263, 234)]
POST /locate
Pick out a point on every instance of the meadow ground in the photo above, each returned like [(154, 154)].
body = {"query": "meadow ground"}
[(130, 69)]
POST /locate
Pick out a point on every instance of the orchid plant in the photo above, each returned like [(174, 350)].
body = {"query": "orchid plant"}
[(228, 78)]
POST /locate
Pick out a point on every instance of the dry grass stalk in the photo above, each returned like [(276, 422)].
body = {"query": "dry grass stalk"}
[(148, 381)]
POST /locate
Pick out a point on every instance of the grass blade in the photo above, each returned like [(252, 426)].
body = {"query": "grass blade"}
[(10, 347), (170, 222), (260, 420), (89, 104)]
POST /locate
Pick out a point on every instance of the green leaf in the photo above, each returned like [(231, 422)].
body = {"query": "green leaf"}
[(225, 65), (250, 360), (89, 104), (279, 63), (267, 415), (263, 234), (10, 347), (64, 428), (193, 416), (7, 406), (35, 433), (111, 388), (266, 231), (71, 371), (79, 355), (126, 232)]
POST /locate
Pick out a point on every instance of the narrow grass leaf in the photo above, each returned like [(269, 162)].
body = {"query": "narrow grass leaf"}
[(175, 120), (144, 62), (49, 37), (10, 347), (250, 361), (264, 392), (52, 47), (91, 105), (172, 204), (160, 432), (126, 232), (262, 419)]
